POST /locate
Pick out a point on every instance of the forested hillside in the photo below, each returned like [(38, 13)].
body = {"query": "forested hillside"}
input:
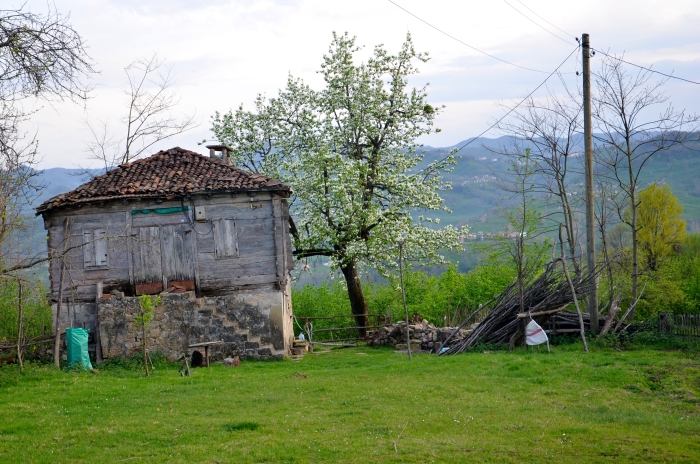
[(474, 199)]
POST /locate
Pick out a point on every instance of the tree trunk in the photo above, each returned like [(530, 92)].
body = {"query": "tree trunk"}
[(358, 304), (633, 208)]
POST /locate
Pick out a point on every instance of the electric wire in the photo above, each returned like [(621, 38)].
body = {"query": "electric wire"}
[(464, 43), (600, 51), (535, 22), (531, 11), (645, 68), (519, 103)]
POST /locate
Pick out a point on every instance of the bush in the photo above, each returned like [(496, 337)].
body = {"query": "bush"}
[(36, 310)]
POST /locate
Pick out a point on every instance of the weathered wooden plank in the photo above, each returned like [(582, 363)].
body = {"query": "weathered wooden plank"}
[(289, 257), (209, 285), (177, 250), (89, 210), (279, 240), (253, 211), (229, 268), (99, 219), (227, 199), (130, 261), (225, 238), (256, 245), (205, 243), (247, 229), (208, 259), (147, 255)]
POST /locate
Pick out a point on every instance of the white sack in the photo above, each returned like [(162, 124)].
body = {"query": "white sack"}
[(534, 334)]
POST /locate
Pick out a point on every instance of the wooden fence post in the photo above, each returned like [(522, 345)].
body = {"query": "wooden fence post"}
[(19, 329)]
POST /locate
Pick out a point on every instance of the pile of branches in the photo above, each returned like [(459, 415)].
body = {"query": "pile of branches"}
[(548, 294)]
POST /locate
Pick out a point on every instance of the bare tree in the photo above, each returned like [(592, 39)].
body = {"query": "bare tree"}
[(19, 184), (550, 127), (150, 117), (41, 56), (521, 248), (628, 135), (605, 216)]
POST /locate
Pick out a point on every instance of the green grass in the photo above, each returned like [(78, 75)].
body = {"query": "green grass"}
[(364, 405)]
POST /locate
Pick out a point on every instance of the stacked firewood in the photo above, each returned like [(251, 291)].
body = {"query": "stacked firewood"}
[(550, 293)]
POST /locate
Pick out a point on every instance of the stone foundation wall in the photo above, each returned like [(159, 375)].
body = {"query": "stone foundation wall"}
[(253, 324), (75, 315)]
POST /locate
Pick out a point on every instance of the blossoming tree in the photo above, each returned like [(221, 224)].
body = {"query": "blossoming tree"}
[(349, 151)]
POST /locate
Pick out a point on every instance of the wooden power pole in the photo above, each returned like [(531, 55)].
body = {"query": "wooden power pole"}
[(590, 198)]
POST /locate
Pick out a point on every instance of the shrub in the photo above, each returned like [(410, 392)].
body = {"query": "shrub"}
[(436, 298), (36, 310)]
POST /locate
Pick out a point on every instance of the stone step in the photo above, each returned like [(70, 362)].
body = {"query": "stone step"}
[(252, 343), (242, 335)]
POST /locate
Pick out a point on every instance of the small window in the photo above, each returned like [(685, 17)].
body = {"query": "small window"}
[(225, 239), (95, 249)]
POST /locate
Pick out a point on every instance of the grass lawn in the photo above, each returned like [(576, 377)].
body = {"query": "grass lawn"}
[(364, 405)]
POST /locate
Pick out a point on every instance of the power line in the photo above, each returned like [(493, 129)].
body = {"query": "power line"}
[(513, 108), (519, 103), (642, 67), (535, 23), (599, 51), (464, 43), (531, 11)]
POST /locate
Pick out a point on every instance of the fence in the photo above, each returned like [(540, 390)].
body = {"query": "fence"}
[(330, 330), (682, 325)]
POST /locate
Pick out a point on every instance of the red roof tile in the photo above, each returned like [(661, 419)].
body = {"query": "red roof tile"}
[(169, 173)]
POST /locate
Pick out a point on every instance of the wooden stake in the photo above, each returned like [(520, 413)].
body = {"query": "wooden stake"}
[(20, 316), (403, 296), (98, 341), (57, 341)]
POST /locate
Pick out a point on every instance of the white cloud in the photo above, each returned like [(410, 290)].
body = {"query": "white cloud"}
[(225, 52)]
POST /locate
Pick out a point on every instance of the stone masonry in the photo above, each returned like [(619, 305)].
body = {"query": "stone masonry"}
[(247, 322), (423, 335)]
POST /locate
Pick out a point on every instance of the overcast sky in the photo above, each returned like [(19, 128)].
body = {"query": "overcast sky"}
[(223, 53)]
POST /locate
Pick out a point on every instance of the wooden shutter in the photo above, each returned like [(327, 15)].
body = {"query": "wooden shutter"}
[(88, 249), (100, 247), (146, 258), (177, 248), (95, 248), (225, 239)]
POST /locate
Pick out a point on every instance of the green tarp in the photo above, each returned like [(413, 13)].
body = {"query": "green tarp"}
[(77, 344), (177, 209)]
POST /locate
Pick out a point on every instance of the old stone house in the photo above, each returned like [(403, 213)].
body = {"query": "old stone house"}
[(212, 238)]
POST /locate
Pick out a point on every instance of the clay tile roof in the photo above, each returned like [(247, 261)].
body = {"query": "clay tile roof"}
[(168, 173)]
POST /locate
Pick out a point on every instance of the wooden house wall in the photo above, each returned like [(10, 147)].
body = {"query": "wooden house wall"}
[(261, 231)]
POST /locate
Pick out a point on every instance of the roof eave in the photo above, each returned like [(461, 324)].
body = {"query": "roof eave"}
[(41, 209)]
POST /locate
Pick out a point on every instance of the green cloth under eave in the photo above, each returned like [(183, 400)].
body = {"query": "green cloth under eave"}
[(177, 209)]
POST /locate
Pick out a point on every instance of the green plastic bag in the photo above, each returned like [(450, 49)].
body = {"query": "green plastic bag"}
[(77, 344)]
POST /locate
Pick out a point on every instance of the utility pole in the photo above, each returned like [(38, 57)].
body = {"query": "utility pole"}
[(590, 198)]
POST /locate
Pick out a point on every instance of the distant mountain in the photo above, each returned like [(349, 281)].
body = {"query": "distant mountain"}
[(474, 199)]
